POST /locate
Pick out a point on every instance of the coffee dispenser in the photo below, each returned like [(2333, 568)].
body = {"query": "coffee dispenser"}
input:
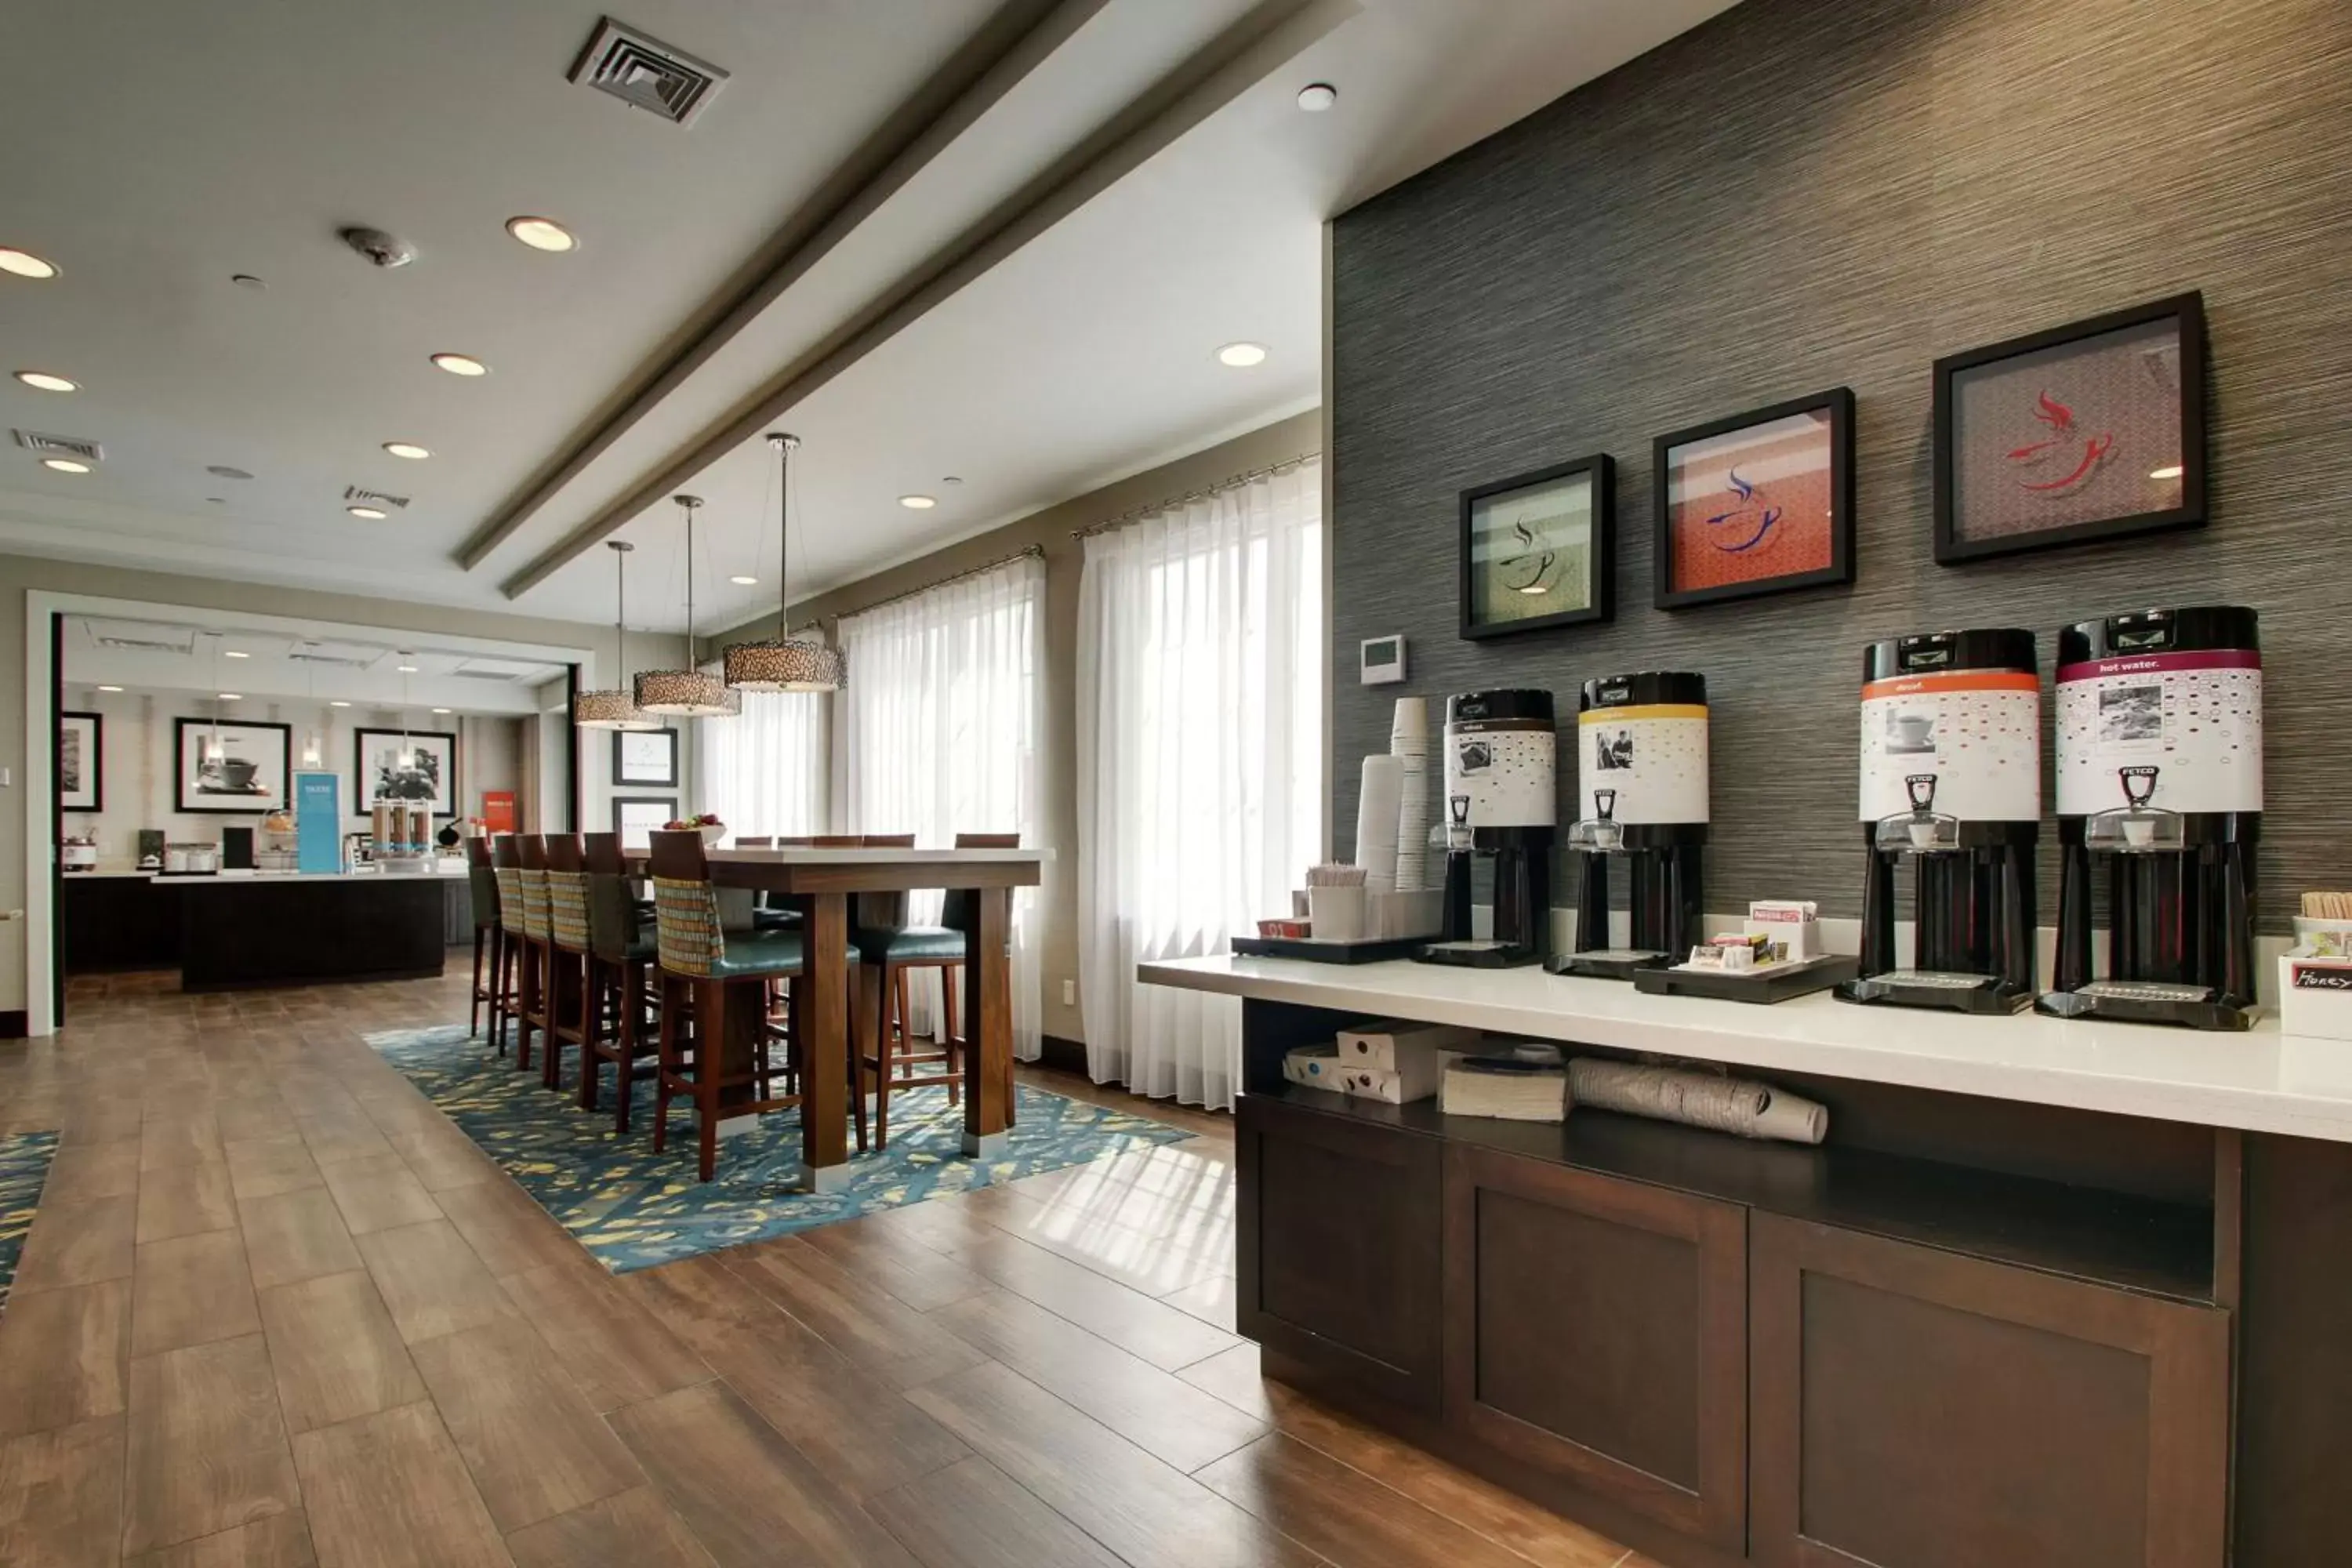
[(1500, 803), (2160, 776), (1642, 778), (1951, 783)]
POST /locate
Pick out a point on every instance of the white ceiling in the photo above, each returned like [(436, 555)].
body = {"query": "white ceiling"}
[(193, 142)]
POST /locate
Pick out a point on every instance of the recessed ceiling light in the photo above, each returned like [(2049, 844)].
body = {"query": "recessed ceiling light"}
[(223, 471), (338, 703), (408, 449), (42, 380), (541, 233), (440, 710), (232, 696), (743, 582), (2171, 472), (919, 503), (372, 514), (1241, 357), (65, 465), (405, 669), (1317, 95), (461, 364), (234, 653), (109, 689), (24, 264)]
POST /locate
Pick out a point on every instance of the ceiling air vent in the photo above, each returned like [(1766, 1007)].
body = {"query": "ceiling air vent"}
[(61, 446), (646, 73), (375, 498)]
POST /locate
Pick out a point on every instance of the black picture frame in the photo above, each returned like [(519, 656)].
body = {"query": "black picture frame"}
[(1602, 563), (442, 743), (89, 790), (1956, 545), (620, 802), (190, 797), (665, 777), (1838, 404)]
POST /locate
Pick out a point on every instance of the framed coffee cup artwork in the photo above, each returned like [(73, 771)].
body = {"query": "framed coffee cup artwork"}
[(227, 767), (644, 758), (1757, 503), (2091, 431), (1539, 551)]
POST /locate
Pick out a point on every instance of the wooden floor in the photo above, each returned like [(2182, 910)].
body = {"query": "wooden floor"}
[(276, 1311)]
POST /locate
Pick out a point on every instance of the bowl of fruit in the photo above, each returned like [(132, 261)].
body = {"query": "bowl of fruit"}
[(708, 825)]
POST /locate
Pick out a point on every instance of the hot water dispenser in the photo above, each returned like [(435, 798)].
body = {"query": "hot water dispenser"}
[(1500, 804), (1642, 781)]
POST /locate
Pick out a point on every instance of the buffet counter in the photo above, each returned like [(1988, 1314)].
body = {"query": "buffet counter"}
[(2049, 1293), (233, 931)]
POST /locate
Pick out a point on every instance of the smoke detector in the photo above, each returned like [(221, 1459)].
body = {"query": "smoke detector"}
[(386, 250), (646, 73)]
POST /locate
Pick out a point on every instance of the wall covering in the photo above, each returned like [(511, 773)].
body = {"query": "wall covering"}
[(1805, 194)]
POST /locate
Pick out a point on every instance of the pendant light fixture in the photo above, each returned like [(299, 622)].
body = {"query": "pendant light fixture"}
[(686, 693), (406, 757), (313, 743), (615, 707), (213, 751), (784, 662)]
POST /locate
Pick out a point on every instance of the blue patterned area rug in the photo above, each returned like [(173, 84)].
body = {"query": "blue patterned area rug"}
[(633, 1208), (24, 1167)]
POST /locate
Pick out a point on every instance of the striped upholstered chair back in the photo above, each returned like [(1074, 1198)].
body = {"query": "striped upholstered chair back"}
[(567, 893), (687, 932), (505, 865), (536, 922)]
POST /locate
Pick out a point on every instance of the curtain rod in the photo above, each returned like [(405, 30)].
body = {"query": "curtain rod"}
[(1036, 550), (1137, 513)]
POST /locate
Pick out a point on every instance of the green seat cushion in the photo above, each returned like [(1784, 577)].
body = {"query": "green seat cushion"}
[(776, 920), (759, 953), (910, 944)]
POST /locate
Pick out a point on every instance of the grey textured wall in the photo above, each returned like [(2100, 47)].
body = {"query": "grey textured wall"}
[(1805, 193)]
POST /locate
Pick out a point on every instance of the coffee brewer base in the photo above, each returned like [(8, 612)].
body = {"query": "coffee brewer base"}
[(1949, 991), (2146, 1001), (1609, 963), (1479, 954)]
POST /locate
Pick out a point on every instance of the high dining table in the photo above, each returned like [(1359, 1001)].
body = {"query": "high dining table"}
[(827, 882)]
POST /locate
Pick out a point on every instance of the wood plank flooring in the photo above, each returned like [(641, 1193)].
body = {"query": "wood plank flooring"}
[(276, 1311)]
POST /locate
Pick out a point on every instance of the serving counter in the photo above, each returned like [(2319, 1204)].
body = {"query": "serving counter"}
[(2051, 1293), (230, 931)]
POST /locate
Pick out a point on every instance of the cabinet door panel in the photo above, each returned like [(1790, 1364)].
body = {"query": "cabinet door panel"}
[(1918, 1409), (1337, 1242), (1596, 1330)]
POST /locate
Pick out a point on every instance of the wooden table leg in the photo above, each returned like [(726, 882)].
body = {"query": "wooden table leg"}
[(824, 1050), (988, 1020)]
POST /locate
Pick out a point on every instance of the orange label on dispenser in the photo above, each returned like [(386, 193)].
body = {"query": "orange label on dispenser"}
[(1968, 740)]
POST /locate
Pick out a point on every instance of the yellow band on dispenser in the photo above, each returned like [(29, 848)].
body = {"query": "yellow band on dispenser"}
[(1643, 711)]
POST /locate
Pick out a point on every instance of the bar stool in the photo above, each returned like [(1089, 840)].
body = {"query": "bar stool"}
[(537, 945), (957, 917), (567, 965), (506, 965), (713, 983), (621, 955), (483, 881), (889, 952)]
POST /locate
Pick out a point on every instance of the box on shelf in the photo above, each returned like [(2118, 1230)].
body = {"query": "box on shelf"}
[(2316, 996), (1417, 1078), (1388, 1044), (1789, 927), (1317, 1067)]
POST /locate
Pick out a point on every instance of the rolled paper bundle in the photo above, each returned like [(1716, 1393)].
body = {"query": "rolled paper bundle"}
[(1377, 808), (1741, 1107)]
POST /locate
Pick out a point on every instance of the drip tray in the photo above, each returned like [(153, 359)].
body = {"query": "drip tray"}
[(1610, 962), (1953, 990), (2151, 1001)]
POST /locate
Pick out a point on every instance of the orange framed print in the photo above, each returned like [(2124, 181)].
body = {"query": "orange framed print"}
[(1760, 502)]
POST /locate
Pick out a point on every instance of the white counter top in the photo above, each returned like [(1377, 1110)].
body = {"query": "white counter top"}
[(2260, 1081), (285, 878)]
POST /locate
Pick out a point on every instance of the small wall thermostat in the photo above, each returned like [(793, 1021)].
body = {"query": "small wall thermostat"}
[(1382, 661)]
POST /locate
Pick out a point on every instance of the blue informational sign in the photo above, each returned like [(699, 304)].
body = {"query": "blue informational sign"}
[(318, 823)]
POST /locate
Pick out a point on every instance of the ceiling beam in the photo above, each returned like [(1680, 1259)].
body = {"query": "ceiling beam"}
[(1015, 40), (1270, 34)]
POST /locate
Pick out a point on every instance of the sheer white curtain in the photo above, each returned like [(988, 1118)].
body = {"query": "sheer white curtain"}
[(936, 733), (1200, 725), (765, 771)]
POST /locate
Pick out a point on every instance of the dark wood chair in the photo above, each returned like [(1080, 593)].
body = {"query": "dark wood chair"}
[(714, 987), (482, 879), (532, 987), (889, 952), (567, 954), (507, 963), (621, 958)]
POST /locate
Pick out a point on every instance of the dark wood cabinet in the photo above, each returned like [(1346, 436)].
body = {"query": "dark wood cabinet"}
[(1337, 1235), (1918, 1408), (1596, 1330)]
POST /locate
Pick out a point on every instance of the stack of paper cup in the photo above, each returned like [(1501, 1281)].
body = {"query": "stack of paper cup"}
[(1408, 745), (1377, 808)]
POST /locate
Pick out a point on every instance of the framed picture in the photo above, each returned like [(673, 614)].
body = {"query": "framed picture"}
[(1540, 550), (2089, 432), (405, 766), (1759, 504), (232, 766), (635, 817), (644, 758), (81, 762)]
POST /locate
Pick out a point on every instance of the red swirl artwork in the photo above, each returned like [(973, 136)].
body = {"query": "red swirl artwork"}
[(1751, 505)]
